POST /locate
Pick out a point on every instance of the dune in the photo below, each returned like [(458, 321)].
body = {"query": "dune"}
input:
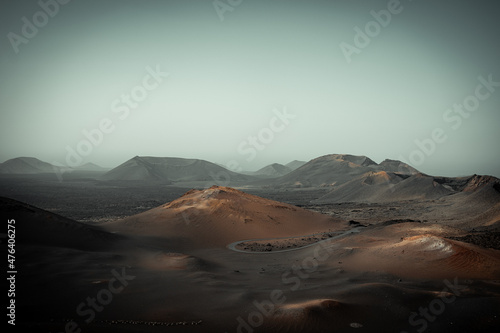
[(197, 284), (308, 316), (218, 216), (169, 261), (185, 278), (413, 250)]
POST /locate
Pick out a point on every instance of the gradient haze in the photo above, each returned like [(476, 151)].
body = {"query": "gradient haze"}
[(226, 78)]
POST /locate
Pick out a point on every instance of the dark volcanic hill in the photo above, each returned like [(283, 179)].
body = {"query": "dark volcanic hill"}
[(26, 165), (172, 169), (34, 166), (35, 226), (384, 186), (273, 170), (397, 167), (329, 170), (91, 167), (295, 164), (359, 179)]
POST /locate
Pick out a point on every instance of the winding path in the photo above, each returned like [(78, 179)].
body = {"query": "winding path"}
[(232, 246)]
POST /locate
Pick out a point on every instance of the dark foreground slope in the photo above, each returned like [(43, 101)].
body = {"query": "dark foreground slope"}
[(137, 278)]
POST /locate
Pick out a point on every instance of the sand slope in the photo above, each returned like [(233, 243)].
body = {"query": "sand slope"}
[(221, 215), (417, 250), (42, 228), (353, 283)]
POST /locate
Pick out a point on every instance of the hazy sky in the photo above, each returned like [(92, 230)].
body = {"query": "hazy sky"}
[(252, 81)]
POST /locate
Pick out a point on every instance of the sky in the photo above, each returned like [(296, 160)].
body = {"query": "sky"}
[(249, 83)]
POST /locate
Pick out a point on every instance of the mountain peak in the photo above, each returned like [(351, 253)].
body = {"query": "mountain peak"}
[(398, 167), (25, 165), (200, 198), (273, 170), (170, 169), (355, 159), (219, 215), (295, 164)]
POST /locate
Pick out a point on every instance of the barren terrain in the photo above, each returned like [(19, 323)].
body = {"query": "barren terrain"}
[(108, 255)]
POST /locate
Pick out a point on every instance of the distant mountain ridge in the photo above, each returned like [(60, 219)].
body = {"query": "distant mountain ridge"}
[(91, 167), (26, 165), (273, 170), (343, 177), (337, 169), (172, 169), (295, 164), (33, 166), (352, 178), (398, 167)]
